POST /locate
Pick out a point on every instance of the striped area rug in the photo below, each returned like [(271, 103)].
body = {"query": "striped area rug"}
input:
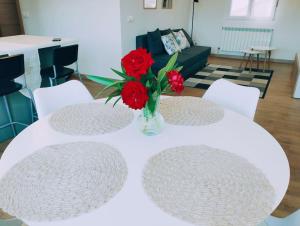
[(212, 72)]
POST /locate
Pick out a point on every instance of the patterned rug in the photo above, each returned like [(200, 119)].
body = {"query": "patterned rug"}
[(212, 72)]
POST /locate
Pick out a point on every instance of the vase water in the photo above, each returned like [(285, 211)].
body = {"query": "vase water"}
[(150, 121)]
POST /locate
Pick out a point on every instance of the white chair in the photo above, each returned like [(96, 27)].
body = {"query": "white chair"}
[(292, 220), (238, 98), (51, 99)]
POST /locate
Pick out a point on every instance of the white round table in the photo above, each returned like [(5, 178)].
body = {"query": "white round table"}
[(132, 207)]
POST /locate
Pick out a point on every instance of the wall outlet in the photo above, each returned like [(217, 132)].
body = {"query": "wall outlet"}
[(130, 19), (25, 14)]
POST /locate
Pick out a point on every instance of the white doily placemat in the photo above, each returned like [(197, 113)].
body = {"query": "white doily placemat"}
[(210, 187), (190, 111), (91, 119), (63, 181)]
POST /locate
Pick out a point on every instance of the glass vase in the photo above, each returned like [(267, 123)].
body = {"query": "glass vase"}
[(150, 121)]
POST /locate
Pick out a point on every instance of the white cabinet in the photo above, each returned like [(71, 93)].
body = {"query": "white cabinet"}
[(297, 76)]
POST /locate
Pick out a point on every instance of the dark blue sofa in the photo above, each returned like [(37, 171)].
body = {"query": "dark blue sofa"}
[(192, 59)]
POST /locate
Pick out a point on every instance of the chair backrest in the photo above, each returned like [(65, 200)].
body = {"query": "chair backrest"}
[(49, 100), (47, 56), (11, 67), (66, 55), (238, 98)]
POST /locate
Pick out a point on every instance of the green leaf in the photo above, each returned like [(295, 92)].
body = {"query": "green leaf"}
[(123, 75), (161, 74), (168, 92), (101, 80), (123, 69), (115, 84), (148, 84), (172, 62), (179, 68), (151, 104), (112, 95), (170, 66), (164, 83), (117, 101)]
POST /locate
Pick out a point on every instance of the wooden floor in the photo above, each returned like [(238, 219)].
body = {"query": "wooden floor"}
[(279, 114), (3, 146)]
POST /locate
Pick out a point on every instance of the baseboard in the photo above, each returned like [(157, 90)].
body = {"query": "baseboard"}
[(241, 57)]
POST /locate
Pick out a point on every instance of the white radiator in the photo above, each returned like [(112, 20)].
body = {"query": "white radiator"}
[(238, 38)]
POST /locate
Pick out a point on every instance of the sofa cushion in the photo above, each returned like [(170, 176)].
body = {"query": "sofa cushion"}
[(170, 44), (181, 40), (165, 32), (186, 35), (155, 44), (142, 42)]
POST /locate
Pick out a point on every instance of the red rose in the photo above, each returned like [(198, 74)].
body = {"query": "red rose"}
[(134, 94), (137, 63), (176, 81)]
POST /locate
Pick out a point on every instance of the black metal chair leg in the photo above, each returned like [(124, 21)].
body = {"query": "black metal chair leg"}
[(51, 82), (9, 115), (77, 72), (32, 104)]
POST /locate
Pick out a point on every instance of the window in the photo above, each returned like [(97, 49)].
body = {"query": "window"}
[(253, 9)]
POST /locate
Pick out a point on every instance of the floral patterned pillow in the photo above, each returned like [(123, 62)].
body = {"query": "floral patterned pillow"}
[(181, 40), (170, 44)]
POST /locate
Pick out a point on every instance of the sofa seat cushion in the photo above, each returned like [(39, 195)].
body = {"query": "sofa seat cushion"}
[(186, 58), (160, 61), (191, 55)]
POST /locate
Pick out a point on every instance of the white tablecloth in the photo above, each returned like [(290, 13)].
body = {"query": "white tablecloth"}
[(132, 207), (29, 45)]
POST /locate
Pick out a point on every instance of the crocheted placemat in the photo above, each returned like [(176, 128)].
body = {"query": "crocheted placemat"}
[(190, 111), (91, 119), (63, 181), (206, 186)]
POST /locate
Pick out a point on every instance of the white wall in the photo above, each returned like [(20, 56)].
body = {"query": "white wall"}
[(211, 15), (148, 20), (95, 23)]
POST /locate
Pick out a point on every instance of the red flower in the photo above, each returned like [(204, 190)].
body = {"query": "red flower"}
[(137, 63), (176, 81), (134, 94)]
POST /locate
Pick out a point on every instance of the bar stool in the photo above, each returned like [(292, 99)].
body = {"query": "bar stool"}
[(251, 55), (62, 57), (11, 68)]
